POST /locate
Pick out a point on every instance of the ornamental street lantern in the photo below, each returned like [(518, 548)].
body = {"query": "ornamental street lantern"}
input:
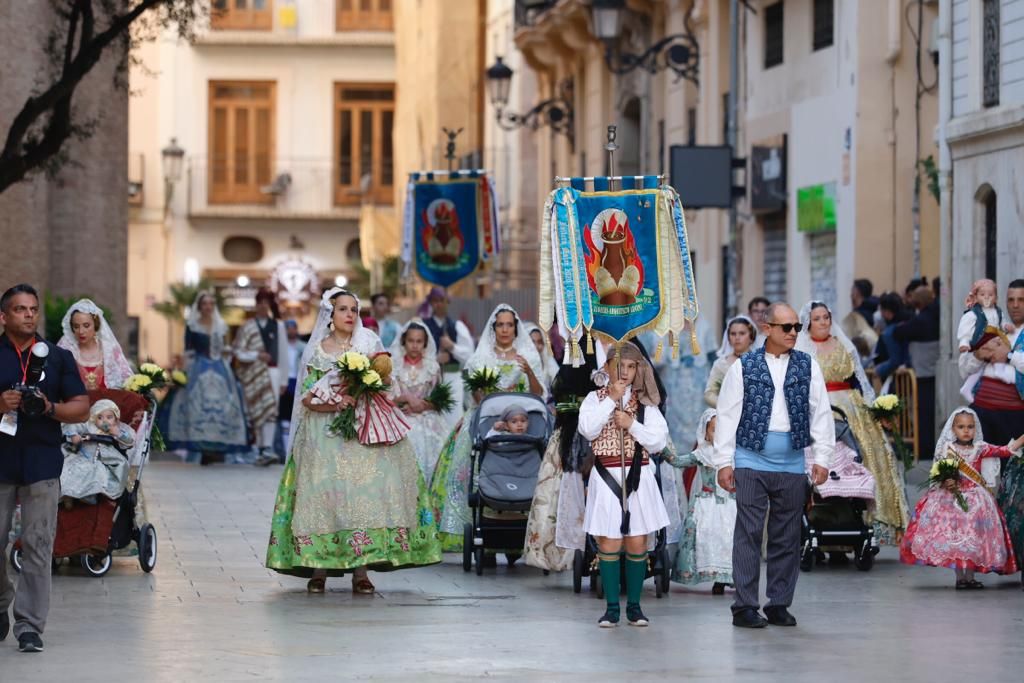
[(172, 157), (607, 17), (499, 81)]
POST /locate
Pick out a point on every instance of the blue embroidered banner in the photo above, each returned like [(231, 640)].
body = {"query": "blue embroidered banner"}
[(450, 225), (620, 247)]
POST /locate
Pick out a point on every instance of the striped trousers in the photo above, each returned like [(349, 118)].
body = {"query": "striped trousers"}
[(781, 496)]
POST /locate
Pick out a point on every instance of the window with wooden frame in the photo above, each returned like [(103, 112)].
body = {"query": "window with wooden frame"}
[(364, 118), (242, 15), (241, 134), (363, 15)]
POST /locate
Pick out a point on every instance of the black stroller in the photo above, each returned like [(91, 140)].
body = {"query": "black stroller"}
[(502, 477), (834, 520), (585, 563), (90, 533)]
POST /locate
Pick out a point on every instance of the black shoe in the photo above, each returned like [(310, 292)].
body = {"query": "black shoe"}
[(610, 618), (779, 616), (718, 589), (748, 618), (5, 624), (635, 616), (30, 642)]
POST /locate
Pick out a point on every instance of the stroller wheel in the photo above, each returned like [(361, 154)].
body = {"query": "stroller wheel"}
[(865, 559), (16, 559), (807, 558), (577, 571), (478, 557), (147, 548), (467, 547), (97, 565)]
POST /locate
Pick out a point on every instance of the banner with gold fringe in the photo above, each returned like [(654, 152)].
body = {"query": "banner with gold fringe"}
[(615, 264)]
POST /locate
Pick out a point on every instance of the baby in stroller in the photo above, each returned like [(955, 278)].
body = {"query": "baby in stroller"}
[(514, 420), (94, 455)]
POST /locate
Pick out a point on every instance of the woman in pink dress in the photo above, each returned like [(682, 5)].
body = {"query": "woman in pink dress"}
[(941, 533)]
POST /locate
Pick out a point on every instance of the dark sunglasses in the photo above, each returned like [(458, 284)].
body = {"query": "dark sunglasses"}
[(788, 327)]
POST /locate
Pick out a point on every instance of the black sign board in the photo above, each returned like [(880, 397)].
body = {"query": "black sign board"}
[(768, 176), (702, 175)]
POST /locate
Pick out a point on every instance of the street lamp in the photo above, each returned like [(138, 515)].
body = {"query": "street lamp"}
[(172, 156), (678, 52), (555, 113)]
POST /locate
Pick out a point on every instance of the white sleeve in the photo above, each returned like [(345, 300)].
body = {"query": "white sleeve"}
[(968, 364), (463, 342), (244, 355), (652, 434), (730, 405), (1016, 360), (823, 428), (965, 328), (594, 415)]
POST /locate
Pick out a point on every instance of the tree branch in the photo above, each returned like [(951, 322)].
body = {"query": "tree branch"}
[(20, 155)]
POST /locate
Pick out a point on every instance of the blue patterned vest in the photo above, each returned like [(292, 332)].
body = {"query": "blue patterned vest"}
[(759, 392)]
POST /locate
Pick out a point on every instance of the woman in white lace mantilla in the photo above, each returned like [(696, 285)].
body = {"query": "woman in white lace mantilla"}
[(86, 334), (505, 346), (342, 506)]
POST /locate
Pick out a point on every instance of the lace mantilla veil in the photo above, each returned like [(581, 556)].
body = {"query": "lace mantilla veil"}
[(806, 344), (363, 341), (484, 355), (116, 368), (726, 348)]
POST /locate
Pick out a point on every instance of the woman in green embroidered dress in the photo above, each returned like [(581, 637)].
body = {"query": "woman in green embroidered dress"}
[(344, 507)]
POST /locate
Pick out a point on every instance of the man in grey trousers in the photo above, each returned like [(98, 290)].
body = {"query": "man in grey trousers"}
[(773, 404), (33, 407)]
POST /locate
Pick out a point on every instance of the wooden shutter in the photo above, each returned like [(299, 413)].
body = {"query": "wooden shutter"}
[(364, 117), (363, 15), (241, 134)]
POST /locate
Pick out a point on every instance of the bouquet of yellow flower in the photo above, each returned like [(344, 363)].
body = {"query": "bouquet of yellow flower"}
[(945, 470), (483, 379), (149, 377), (373, 418), (179, 378), (886, 409)]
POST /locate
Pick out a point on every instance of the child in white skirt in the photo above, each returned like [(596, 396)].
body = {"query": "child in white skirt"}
[(624, 413)]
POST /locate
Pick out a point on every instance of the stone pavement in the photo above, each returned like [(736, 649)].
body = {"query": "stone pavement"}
[(211, 611)]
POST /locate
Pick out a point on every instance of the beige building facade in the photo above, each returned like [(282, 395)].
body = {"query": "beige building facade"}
[(285, 111), (829, 98)]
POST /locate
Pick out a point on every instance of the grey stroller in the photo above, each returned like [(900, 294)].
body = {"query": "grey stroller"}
[(502, 478)]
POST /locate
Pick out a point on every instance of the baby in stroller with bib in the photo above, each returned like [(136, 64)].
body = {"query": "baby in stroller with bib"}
[(95, 461)]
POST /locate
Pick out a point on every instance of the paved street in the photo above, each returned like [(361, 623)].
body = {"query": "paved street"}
[(211, 611)]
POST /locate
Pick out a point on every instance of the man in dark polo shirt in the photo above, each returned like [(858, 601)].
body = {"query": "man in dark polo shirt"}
[(31, 461)]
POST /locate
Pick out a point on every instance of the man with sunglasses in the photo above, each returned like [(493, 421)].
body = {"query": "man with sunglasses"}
[(772, 405)]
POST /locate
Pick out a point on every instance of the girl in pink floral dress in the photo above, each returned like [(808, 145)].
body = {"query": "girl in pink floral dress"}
[(941, 534)]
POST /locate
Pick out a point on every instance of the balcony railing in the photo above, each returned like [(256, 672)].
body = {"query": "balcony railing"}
[(293, 189), (302, 22)]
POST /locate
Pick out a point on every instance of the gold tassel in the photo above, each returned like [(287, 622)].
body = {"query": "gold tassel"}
[(694, 346), (590, 343), (658, 350)]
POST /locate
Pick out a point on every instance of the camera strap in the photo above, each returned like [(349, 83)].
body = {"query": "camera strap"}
[(24, 363)]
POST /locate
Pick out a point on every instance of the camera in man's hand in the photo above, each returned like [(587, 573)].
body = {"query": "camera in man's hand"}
[(33, 402)]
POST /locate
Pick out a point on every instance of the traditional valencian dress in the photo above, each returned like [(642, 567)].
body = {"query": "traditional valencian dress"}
[(725, 357), (429, 428), (114, 369), (340, 504), (449, 486), (208, 414), (850, 391), (942, 534), (705, 551), (96, 467)]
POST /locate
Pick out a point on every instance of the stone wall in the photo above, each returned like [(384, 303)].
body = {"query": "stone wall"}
[(67, 234)]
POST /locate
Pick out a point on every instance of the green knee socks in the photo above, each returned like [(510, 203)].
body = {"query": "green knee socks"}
[(636, 572), (609, 564)]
